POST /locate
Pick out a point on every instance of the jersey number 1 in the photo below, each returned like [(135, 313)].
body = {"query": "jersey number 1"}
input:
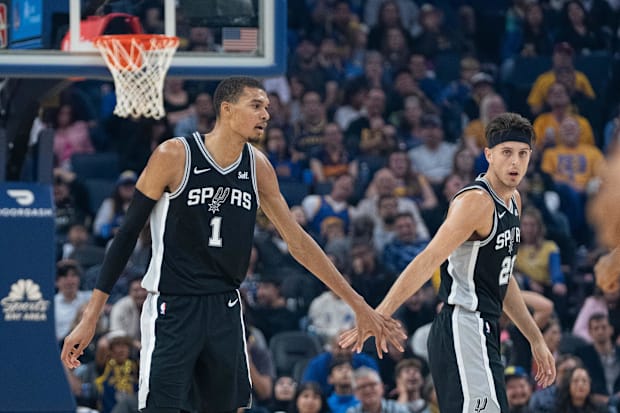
[(215, 240), (504, 274)]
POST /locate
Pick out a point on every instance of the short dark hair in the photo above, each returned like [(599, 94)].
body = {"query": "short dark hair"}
[(406, 363), (229, 90), (597, 317), (63, 268), (339, 361), (507, 127)]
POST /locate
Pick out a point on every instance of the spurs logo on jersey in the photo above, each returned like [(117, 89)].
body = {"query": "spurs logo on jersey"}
[(508, 239), (216, 197), (477, 273)]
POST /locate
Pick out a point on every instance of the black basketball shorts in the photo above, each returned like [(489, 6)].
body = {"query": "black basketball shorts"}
[(465, 363), (194, 355)]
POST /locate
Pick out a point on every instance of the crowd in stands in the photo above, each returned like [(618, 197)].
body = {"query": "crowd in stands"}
[(378, 121)]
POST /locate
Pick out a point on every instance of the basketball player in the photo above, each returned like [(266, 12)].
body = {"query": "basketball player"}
[(604, 212), (202, 193), (477, 244)]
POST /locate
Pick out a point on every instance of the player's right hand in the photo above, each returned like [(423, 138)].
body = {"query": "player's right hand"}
[(76, 342)]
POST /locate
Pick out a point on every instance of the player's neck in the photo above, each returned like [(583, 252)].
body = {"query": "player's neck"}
[(224, 147), (504, 191)]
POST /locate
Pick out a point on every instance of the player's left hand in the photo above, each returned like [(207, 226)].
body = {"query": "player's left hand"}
[(545, 373), (371, 323)]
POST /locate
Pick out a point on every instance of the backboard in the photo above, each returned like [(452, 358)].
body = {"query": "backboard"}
[(51, 38)]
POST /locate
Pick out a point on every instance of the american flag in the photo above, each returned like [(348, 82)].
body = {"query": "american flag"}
[(237, 39)]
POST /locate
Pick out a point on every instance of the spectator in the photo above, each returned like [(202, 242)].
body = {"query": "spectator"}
[(491, 106), (405, 246), (545, 400), (262, 370), (287, 167), (69, 299), (176, 100), (308, 134), (605, 302), (368, 277), (71, 136), (376, 11), (577, 30), (361, 127), (574, 394), (532, 39), (355, 91), (283, 394), (332, 160), (435, 37), (328, 315), (482, 85), (125, 313), (410, 183), (408, 123), (424, 76), (341, 377), (518, 389), (317, 369), (201, 119), (574, 167), (562, 69), (601, 359), (409, 385), (113, 209), (335, 204), (388, 17), (369, 391), (435, 157), (547, 125), (447, 190), (538, 260), (464, 163), (70, 202), (309, 398), (119, 382), (384, 231), (271, 316)]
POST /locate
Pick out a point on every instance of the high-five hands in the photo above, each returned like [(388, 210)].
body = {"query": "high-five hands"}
[(371, 323)]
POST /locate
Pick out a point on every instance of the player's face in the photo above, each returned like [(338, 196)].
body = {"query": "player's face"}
[(508, 161), (249, 115)]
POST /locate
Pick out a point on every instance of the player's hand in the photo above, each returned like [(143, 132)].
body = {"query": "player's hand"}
[(372, 323), (76, 342), (607, 274), (545, 373)]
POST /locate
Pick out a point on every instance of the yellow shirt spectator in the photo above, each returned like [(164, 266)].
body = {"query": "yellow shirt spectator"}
[(574, 166), (547, 120), (536, 98), (533, 260)]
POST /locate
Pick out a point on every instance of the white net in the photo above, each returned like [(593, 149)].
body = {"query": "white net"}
[(139, 64)]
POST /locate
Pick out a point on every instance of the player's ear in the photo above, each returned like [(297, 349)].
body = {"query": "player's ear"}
[(487, 154)]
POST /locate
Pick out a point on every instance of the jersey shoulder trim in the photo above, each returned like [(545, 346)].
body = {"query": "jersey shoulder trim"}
[(186, 171), (253, 172)]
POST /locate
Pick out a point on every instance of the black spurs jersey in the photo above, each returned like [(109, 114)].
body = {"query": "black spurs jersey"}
[(202, 233), (475, 276)]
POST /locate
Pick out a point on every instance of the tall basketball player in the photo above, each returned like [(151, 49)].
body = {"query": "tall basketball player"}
[(201, 193), (476, 247)]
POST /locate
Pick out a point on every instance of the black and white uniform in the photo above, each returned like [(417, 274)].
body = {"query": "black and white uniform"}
[(193, 338), (463, 344)]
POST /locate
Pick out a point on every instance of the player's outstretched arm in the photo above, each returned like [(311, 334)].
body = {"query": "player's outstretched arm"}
[(306, 251), (470, 213), (161, 172), (515, 308)]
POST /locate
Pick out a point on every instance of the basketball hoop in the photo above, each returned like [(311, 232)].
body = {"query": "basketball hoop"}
[(139, 63)]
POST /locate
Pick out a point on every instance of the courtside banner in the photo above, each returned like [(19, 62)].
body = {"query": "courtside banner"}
[(33, 379)]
